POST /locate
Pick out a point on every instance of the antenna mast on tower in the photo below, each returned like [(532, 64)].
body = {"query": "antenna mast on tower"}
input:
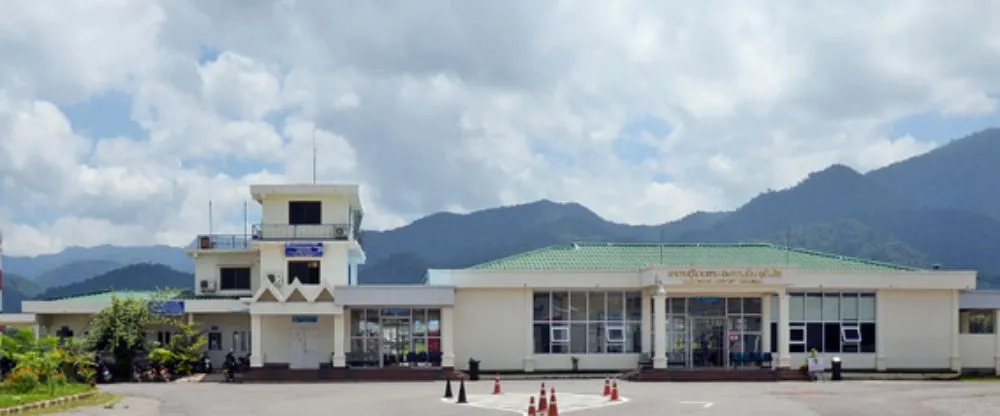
[(314, 154), (1, 271)]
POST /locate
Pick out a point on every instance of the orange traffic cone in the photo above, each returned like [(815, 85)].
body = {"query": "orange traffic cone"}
[(496, 385), (531, 406), (553, 407), (614, 391), (543, 404), (607, 387)]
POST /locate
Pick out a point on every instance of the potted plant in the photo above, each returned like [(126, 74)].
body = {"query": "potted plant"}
[(576, 363)]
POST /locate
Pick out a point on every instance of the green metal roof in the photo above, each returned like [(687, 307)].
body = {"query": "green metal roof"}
[(121, 294), (636, 256)]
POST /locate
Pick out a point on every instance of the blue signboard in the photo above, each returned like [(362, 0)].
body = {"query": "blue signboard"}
[(395, 312), (167, 308), (707, 300), (305, 319), (304, 250)]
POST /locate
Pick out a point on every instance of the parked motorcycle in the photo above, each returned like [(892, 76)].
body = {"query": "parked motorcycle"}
[(206, 364), (105, 374)]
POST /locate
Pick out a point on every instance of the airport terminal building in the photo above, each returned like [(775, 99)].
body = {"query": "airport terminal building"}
[(288, 294)]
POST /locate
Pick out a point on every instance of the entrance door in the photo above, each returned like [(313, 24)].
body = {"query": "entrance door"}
[(708, 338), (397, 340), (303, 350)]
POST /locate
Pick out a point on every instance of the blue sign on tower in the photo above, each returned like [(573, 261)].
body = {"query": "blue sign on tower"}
[(304, 250)]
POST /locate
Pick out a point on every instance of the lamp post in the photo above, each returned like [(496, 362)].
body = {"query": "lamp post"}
[(660, 325)]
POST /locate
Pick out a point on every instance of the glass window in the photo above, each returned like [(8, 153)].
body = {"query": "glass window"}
[(678, 305), (616, 306), (831, 307), (814, 307), (577, 338), (541, 306), (615, 334), (560, 333), (796, 307), (850, 334), (796, 334), (596, 306), (578, 306), (976, 321), (734, 306), (434, 322), (866, 307), (633, 306), (595, 342), (215, 341), (849, 307), (774, 307), (599, 322), (752, 306)]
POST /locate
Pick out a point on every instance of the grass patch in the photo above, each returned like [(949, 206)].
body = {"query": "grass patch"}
[(11, 399), (106, 400)]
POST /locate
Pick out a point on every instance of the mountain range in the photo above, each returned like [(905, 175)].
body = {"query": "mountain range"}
[(940, 209)]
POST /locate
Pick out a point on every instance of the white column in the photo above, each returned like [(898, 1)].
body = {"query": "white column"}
[(190, 318), (339, 329), (257, 351), (38, 331), (955, 360), (529, 336), (880, 327), (784, 358), (996, 334), (448, 337), (660, 325), (765, 322), (646, 327)]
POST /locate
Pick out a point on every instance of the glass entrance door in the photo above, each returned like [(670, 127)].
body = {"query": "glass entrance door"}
[(708, 341), (396, 341)]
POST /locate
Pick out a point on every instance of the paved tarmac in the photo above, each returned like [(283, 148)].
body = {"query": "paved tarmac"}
[(847, 398)]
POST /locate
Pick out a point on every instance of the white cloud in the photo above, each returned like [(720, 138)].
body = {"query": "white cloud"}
[(442, 105)]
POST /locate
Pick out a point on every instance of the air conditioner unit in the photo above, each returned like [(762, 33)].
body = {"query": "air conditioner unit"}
[(340, 233), (208, 286), (205, 242), (275, 279)]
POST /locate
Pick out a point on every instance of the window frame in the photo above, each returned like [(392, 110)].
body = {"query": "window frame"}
[(581, 321), (218, 345), (235, 278), (844, 339), (559, 329), (302, 212)]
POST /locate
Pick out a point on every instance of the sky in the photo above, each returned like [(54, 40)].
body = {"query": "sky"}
[(120, 120)]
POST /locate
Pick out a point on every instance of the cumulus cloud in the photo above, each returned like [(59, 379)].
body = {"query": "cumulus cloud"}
[(461, 105)]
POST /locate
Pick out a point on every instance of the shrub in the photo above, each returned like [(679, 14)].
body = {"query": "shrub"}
[(58, 379), (23, 380)]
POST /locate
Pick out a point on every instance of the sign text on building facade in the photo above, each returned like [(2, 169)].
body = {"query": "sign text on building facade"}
[(726, 276)]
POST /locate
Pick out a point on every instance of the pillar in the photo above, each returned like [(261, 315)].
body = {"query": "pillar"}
[(528, 318), (339, 329), (955, 360), (448, 337), (880, 326), (660, 326), (996, 335), (765, 322), (646, 326), (190, 317), (38, 331), (257, 351), (784, 357)]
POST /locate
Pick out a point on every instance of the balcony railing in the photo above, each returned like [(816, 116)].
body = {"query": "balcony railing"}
[(302, 232), (221, 242)]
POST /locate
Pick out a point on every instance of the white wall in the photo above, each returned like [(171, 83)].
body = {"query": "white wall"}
[(207, 265), (491, 326), (333, 264), (335, 208), (276, 334), (978, 350), (917, 328), (224, 324)]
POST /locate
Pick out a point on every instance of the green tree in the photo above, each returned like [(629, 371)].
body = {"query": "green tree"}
[(185, 346), (119, 331)]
